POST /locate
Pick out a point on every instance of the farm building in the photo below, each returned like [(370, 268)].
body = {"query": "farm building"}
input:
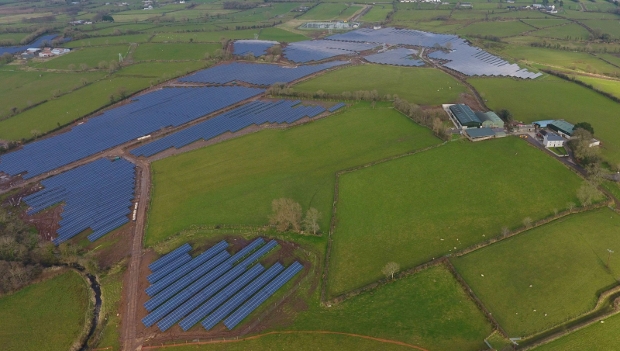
[(543, 124), (562, 127), (478, 134), (553, 140), (490, 120), (465, 117)]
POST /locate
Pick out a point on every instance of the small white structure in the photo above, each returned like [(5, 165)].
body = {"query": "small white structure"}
[(594, 142), (553, 140), (60, 51)]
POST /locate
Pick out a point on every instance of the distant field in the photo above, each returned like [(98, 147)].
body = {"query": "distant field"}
[(45, 316), (324, 11), (425, 206), (253, 170), (164, 70), (552, 98), (606, 85), (428, 309), (604, 335), (89, 56), (570, 31), (424, 86), (543, 23), (496, 28), (116, 39), (67, 108), (378, 13), (18, 88), (611, 27), (545, 276), (280, 35), (193, 51), (213, 37)]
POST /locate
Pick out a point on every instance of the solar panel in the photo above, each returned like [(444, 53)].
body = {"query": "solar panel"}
[(221, 297), (164, 260), (255, 47), (262, 295), (235, 301), (171, 267)]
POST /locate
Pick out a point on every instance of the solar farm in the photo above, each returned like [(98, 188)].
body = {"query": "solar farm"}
[(254, 175), (212, 287)]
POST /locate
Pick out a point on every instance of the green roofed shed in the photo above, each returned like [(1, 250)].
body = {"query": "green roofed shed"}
[(465, 116), (490, 120), (561, 127)]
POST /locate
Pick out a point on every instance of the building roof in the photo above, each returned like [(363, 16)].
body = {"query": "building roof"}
[(489, 116), (480, 132), (553, 137), (544, 123), (562, 126), (465, 115)]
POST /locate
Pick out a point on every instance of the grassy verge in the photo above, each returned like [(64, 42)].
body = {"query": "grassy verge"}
[(234, 182), (424, 206), (45, 316), (600, 336)]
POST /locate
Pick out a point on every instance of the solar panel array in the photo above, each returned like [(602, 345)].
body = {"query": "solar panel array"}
[(253, 113), (96, 195), (255, 47), (146, 114), (463, 57), (256, 73), (337, 106), (396, 57), (214, 286), (316, 50)]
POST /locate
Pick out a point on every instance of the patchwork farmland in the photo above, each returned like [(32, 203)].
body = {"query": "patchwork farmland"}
[(257, 175)]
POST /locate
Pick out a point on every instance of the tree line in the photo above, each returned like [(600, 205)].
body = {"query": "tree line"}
[(286, 216)]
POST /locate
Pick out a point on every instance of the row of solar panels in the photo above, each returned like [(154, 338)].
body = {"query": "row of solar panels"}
[(396, 57), (97, 195), (255, 47), (316, 50), (212, 286), (463, 57), (253, 113), (256, 73), (144, 115)]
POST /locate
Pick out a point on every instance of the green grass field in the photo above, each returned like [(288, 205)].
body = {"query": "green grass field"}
[(552, 98), (424, 206), (428, 309), (18, 88), (543, 23), (378, 13), (89, 56), (570, 31), (424, 86), (45, 316), (603, 335), (194, 51), (67, 108), (496, 28), (607, 85), (111, 289), (111, 40), (212, 37), (160, 70), (547, 275), (610, 27), (324, 11), (251, 171)]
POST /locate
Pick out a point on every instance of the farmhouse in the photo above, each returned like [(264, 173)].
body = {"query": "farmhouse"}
[(465, 117), (553, 140), (563, 128), (490, 120)]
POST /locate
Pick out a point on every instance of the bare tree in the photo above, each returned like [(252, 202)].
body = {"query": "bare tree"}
[(286, 214), (570, 206), (555, 211), (311, 221), (588, 193), (390, 269), (505, 231), (527, 222)]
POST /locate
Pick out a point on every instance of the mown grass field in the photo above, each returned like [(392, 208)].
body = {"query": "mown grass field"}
[(18, 88), (67, 108), (324, 11), (424, 206), (234, 182), (89, 56), (156, 52), (423, 86), (604, 335), (610, 27), (428, 309), (378, 13), (111, 40), (45, 316), (543, 23), (547, 275), (570, 31), (607, 85), (496, 28), (552, 98), (164, 70)]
